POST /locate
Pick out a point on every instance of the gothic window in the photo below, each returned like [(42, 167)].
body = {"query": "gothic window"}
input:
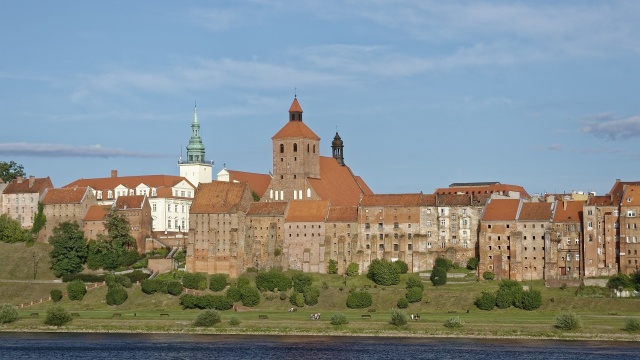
[(308, 147), (314, 149), (295, 147), (281, 148)]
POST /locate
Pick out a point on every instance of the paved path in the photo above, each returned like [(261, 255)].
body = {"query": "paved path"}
[(56, 281)]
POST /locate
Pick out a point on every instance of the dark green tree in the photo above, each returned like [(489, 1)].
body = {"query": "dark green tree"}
[(10, 170), (383, 272), (301, 281), (11, 231), (255, 196), (69, 249), (353, 269), (39, 220), (117, 248), (333, 267), (438, 276), (402, 266), (57, 316)]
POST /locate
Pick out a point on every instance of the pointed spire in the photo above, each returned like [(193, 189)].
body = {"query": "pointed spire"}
[(195, 112), (295, 111)]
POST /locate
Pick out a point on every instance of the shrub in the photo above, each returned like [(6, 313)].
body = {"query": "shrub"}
[(137, 275), (8, 314), (207, 318), (125, 281), (311, 295), (150, 286), (619, 281), (438, 276), (283, 295), (332, 268), (353, 269), (301, 281), (414, 295), (84, 277), (174, 287), (568, 321), (116, 295), (531, 300), (509, 294), (444, 263), (488, 275), (196, 281), (56, 295), (234, 321), (403, 303), (57, 316), (472, 263), (454, 322), (216, 302), (402, 266), (272, 280), (243, 281), (359, 300), (414, 281), (486, 301), (398, 318), (76, 290), (250, 296), (297, 299), (632, 325), (339, 319), (234, 294), (383, 272), (217, 282)]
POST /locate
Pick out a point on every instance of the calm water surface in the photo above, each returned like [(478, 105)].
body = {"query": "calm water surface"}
[(180, 346)]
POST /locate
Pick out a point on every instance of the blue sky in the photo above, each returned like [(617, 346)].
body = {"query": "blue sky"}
[(423, 93)]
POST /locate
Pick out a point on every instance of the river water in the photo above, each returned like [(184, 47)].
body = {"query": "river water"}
[(95, 346)]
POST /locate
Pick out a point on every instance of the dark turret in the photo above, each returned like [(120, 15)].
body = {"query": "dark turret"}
[(337, 147)]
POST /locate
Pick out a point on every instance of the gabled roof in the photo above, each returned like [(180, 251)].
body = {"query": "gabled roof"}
[(130, 202), (28, 185), (257, 182), (343, 214), (307, 211), (337, 184), (131, 182), (568, 211), (365, 188), (483, 188), (64, 195), (97, 212), (536, 211), (631, 196), (218, 197), (601, 200), (295, 129), (391, 200), (618, 188), (501, 210), (267, 208), (428, 200)]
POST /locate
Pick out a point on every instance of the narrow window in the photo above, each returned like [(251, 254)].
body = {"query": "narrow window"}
[(281, 148)]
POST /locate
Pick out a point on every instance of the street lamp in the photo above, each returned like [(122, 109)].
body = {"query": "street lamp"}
[(34, 265)]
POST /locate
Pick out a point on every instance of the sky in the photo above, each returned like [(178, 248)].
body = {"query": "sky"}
[(541, 94)]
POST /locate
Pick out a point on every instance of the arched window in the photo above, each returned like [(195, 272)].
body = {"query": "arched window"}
[(281, 148), (295, 147), (314, 149), (308, 147)]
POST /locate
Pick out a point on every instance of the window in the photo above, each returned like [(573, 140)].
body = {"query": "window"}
[(395, 247), (395, 236), (443, 223), (453, 216), (168, 224), (569, 257), (395, 225), (281, 148), (367, 236), (381, 236), (409, 247), (631, 213), (428, 245), (409, 236), (379, 226), (589, 225), (153, 207), (381, 247), (428, 233), (295, 147), (367, 226), (428, 222), (168, 207)]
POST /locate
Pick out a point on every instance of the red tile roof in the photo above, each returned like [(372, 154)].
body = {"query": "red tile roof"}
[(337, 184), (501, 210), (267, 208), (295, 106), (343, 214), (257, 182), (631, 196), (365, 188), (428, 200), (618, 188), (64, 195), (130, 202), (601, 200), (391, 200), (572, 213), (536, 211), (219, 197), (295, 129), (28, 185), (131, 182), (484, 189), (307, 211), (97, 212)]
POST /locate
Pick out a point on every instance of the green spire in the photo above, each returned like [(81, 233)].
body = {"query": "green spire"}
[(195, 149)]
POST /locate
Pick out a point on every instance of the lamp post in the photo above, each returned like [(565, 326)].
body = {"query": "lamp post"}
[(34, 265)]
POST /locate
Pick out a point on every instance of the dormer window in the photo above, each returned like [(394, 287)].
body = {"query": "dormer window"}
[(153, 192), (110, 194), (99, 195), (131, 192)]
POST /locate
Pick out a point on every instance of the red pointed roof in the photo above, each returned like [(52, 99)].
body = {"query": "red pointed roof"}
[(267, 209), (295, 129), (343, 214), (131, 182), (391, 200), (295, 106), (28, 185)]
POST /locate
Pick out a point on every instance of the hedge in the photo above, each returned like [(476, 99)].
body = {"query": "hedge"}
[(359, 300)]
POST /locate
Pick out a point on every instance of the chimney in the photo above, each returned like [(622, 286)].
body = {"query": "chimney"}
[(564, 205), (114, 173), (19, 179), (32, 179)]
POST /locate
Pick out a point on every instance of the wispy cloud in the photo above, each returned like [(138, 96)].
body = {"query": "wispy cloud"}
[(609, 127), (63, 150)]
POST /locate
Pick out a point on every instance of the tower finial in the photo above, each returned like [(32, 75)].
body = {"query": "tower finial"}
[(295, 92)]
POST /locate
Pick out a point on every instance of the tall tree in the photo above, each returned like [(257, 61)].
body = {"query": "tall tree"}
[(11, 231), (10, 170), (69, 249), (117, 248), (39, 221), (118, 229)]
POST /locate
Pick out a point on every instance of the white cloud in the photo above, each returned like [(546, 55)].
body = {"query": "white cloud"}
[(64, 150), (609, 127)]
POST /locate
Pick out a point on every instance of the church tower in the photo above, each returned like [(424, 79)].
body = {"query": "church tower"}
[(195, 168), (296, 157), (337, 147)]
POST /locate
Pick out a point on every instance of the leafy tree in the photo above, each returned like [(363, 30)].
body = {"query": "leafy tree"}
[(402, 266), (234, 294), (339, 319), (531, 299), (117, 248), (444, 263), (403, 303), (414, 295), (415, 282), (8, 314), (488, 275), (56, 295), (11, 231), (207, 318), (196, 281), (619, 281), (10, 170), (297, 299), (255, 196), (472, 263), (454, 322), (39, 220), (568, 321), (116, 295), (398, 318), (69, 249), (333, 267), (353, 269), (486, 301), (632, 325), (57, 316), (118, 229), (217, 282), (76, 290), (383, 272), (250, 296), (272, 280), (311, 295), (243, 281), (301, 281), (438, 276), (509, 294), (174, 288), (359, 300)]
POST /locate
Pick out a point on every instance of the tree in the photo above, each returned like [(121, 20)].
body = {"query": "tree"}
[(255, 196), (383, 272), (472, 263), (11, 231), (333, 267), (353, 269), (39, 220), (402, 266), (438, 276), (116, 249), (69, 249), (207, 318), (8, 314), (301, 281), (57, 316), (10, 170)]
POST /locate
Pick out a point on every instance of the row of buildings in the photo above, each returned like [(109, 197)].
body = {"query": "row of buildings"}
[(312, 209)]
